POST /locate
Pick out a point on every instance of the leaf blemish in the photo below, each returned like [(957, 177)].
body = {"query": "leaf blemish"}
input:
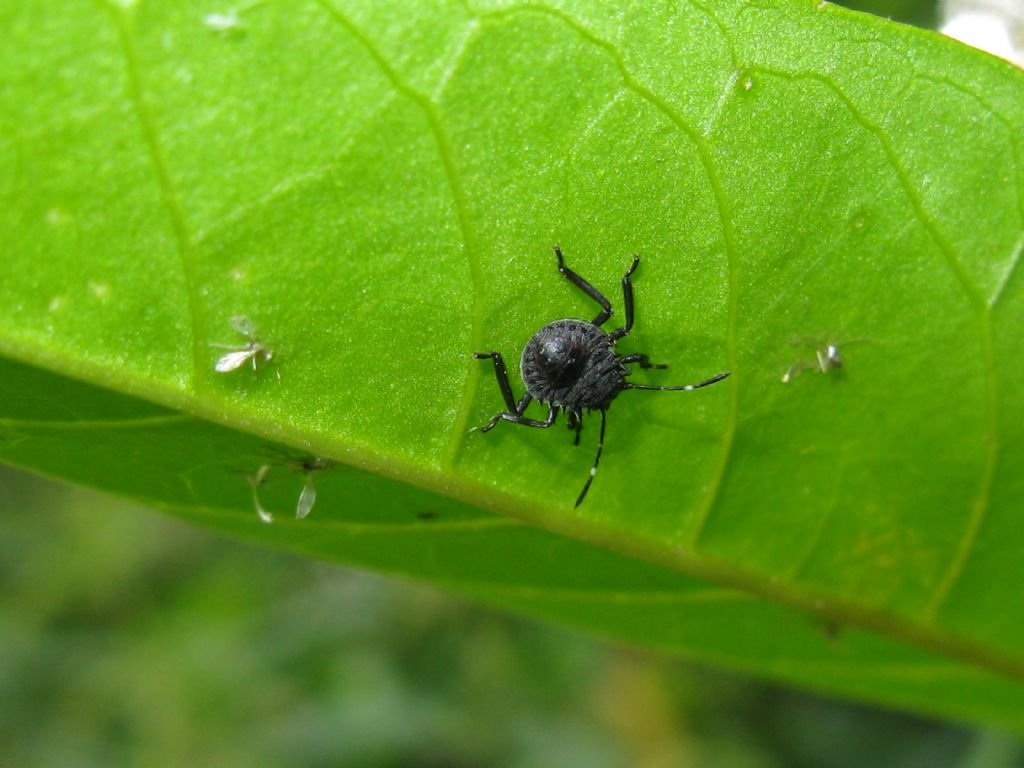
[(58, 217), (100, 290)]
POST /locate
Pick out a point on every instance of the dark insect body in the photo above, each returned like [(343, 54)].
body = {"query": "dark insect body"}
[(572, 366)]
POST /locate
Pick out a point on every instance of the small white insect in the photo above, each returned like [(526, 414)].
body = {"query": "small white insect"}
[(254, 351), (230, 21), (826, 354), (223, 22)]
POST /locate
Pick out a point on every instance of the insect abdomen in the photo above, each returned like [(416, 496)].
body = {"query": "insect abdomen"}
[(571, 364)]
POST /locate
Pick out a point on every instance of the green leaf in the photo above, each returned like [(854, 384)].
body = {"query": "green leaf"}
[(375, 186)]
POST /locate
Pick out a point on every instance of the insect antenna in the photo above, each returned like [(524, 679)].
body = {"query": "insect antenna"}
[(597, 459), (685, 387)]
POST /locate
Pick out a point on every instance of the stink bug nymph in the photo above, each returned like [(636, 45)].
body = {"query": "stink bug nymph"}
[(572, 366)]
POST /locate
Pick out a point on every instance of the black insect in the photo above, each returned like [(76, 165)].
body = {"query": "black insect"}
[(571, 365)]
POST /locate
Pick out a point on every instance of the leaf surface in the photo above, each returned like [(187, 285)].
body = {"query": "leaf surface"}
[(375, 188)]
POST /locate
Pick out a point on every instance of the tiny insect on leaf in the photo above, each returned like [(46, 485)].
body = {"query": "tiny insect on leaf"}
[(231, 361), (572, 366)]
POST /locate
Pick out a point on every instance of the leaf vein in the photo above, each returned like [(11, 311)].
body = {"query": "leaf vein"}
[(598, 595), (1012, 133), (1015, 142), (418, 527), (799, 564), (86, 424), (168, 192), (460, 203), (456, 59), (982, 310), (693, 528), (293, 182), (1011, 269)]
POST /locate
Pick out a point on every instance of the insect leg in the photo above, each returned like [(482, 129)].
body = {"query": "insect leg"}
[(683, 388), (515, 410), (587, 288), (575, 421), (593, 469), (627, 300), (644, 360), (517, 418), (502, 374), (795, 370), (828, 358)]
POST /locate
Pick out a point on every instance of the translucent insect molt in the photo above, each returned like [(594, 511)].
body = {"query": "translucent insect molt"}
[(572, 366), (307, 496), (255, 481)]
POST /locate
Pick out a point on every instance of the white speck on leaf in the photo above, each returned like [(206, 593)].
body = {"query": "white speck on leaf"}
[(223, 22), (100, 290)]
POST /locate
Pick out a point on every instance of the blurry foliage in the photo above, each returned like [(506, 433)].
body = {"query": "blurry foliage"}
[(921, 13), (130, 638)]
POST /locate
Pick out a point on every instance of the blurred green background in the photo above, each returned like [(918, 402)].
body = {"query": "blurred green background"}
[(921, 13), (128, 638)]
